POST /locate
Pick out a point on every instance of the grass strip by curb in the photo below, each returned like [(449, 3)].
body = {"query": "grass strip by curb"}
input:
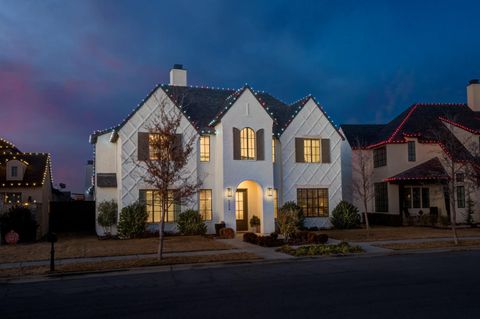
[(321, 249), (431, 244)]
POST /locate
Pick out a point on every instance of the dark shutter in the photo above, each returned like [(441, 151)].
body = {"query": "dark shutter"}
[(143, 147), (325, 150), (299, 151), (236, 143), (142, 196), (178, 144), (260, 145)]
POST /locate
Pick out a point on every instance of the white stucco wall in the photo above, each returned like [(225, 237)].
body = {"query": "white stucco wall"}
[(247, 112), (311, 122)]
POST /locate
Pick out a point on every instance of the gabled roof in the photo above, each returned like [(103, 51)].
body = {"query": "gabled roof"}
[(37, 168), (204, 107), (429, 170), (424, 121), (7, 147)]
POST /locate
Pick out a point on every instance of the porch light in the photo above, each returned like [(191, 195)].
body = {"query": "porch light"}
[(269, 192), (229, 192)]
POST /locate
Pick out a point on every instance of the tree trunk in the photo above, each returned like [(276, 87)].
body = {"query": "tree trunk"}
[(161, 229), (367, 223), (453, 221)]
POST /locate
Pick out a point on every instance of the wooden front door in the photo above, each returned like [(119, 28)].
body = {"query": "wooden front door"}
[(241, 209)]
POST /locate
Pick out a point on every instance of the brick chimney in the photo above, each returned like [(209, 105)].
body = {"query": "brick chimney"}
[(473, 95), (178, 75)]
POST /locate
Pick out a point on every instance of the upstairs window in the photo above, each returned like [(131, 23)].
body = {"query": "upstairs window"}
[(311, 150), (152, 145), (247, 144), (204, 148), (380, 157), (412, 156), (14, 171)]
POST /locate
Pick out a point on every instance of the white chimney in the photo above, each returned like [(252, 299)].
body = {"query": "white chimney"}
[(178, 76), (473, 95)]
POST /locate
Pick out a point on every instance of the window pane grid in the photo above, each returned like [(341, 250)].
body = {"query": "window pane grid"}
[(275, 203), (204, 148), (380, 157), (205, 204), (381, 197), (153, 204), (239, 205), (411, 151), (314, 201), (311, 150), (247, 143)]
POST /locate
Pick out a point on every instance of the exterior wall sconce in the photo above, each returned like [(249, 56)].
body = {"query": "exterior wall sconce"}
[(269, 192), (229, 192)]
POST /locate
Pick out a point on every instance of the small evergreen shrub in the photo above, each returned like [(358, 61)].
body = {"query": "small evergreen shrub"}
[(21, 220), (250, 238), (254, 221), (190, 223), (293, 207), (133, 221), (345, 216), (107, 215)]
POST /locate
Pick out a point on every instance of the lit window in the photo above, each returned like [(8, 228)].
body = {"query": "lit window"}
[(205, 204), (275, 203), (154, 207), (273, 150), (153, 147), (247, 144), (12, 198), (14, 171), (204, 148), (314, 201), (311, 150)]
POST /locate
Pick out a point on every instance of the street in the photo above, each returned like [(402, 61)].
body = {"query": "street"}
[(434, 285)]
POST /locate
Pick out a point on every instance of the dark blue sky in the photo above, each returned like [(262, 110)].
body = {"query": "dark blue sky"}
[(68, 68)]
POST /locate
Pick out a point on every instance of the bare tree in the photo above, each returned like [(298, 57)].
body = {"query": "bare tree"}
[(166, 165), (362, 169), (458, 158)]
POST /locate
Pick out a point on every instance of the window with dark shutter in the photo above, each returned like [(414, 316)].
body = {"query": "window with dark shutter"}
[(143, 146), (299, 151), (326, 150), (260, 145), (236, 143)]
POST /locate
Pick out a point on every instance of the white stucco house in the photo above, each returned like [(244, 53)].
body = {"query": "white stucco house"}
[(253, 153)]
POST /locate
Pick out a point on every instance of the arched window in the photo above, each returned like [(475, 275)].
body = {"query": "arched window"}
[(247, 144)]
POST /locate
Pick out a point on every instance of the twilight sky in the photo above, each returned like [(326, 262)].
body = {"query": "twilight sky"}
[(70, 67)]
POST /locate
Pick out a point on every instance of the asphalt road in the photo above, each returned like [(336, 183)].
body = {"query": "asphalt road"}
[(440, 285)]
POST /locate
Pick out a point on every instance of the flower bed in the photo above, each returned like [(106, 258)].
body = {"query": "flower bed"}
[(322, 249), (299, 238)]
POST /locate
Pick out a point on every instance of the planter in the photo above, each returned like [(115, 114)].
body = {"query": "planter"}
[(218, 227)]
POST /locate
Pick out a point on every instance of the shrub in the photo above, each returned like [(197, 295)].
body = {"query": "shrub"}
[(227, 233), (190, 223), (287, 221), (250, 238), (274, 235), (312, 250), (133, 221), (269, 241), (293, 207), (21, 220), (107, 215), (345, 216), (444, 220)]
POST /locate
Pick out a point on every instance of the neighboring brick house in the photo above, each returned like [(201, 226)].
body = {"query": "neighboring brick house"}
[(253, 153), (409, 158), (25, 179)]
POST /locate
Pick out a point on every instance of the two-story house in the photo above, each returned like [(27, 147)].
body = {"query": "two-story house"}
[(25, 179), (253, 153), (412, 158)]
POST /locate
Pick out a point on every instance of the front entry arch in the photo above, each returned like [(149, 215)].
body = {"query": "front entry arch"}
[(248, 203)]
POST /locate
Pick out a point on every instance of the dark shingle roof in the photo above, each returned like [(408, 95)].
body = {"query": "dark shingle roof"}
[(8, 147), (429, 170), (204, 107), (37, 166), (424, 121)]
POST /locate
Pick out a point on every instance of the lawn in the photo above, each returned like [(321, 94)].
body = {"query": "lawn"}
[(127, 264), (380, 233), (432, 245), (90, 246)]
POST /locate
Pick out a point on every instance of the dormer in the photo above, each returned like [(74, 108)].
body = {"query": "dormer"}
[(15, 170)]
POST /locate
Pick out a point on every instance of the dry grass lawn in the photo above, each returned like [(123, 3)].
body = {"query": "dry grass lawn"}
[(396, 233), (432, 245), (125, 264), (90, 246)]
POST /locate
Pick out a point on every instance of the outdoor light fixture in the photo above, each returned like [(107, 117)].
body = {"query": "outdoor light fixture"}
[(269, 192), (229, 192)]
